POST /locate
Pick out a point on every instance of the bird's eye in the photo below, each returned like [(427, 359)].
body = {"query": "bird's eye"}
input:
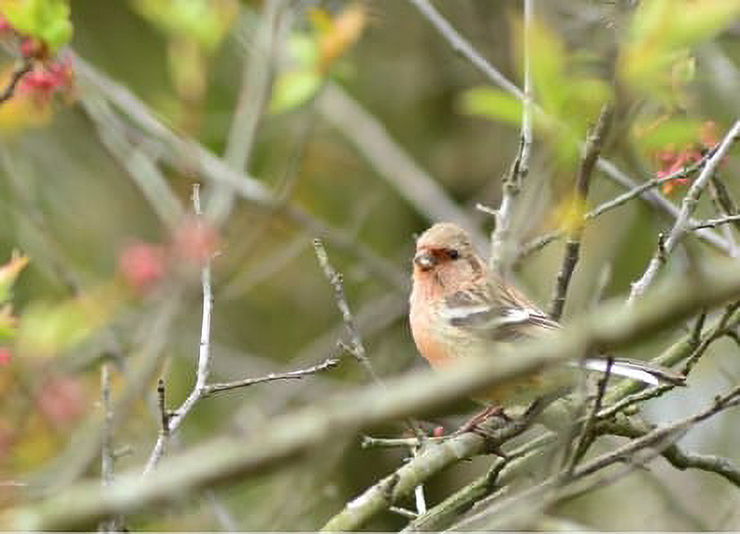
[(453, 254)]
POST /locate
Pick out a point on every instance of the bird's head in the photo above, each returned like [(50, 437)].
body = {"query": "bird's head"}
[(445, 248)]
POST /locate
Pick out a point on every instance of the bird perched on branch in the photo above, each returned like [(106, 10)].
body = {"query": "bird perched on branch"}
[(461, 309)]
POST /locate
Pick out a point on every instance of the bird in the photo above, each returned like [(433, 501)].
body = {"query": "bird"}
[(459, 308)]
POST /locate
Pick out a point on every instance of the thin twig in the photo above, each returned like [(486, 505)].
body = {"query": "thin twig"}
[(107, 454), (253, 96), (662, 437), (502, 243), (539, 242), (356, 348), (713, 223), (403, 512), (724, 206), (330, 363), (164, 416), (466, 50), (585, 437), (18, 73), (572, 248), (204, 355), (371, 139), (724, 198), (682, 223)]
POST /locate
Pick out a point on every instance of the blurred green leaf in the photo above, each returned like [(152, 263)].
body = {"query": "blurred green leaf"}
[(205, 21), (293, 89), (678, 131), (303, 48), (491, 103), (46, 20), (46, 329), (661, 31)]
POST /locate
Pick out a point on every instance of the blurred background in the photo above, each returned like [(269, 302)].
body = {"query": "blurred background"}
[(364, 127)]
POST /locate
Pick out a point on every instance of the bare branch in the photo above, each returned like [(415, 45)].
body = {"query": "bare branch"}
[(19, 72), (688, 205), (373, 141), (356, 348), (501, 240), (253, 97), (210, 389), (610, 327), (541, 241), (204, 356), (572, 248), (713, 223)]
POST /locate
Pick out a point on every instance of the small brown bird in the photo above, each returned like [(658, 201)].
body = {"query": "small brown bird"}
[(460, 309)]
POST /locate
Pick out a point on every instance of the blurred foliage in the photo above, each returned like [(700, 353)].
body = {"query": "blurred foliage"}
[(45, 20), (315, 52), (102, 259)]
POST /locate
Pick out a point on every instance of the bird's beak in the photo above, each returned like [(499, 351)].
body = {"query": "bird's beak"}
[(425, 260)]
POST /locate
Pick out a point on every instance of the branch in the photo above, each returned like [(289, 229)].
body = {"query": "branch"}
[(713, 223), (583, 181), (538, 242), (18, 73), (204, 356), (687, 208), (501, 239), (170, 147), (253, 96), (430, 460), (466, 50), (356, 347), (210, 389), (509, 512), (285, 438), (679, 458), (107, 453), (390, 161)]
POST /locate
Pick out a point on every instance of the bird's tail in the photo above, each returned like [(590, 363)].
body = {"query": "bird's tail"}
[(637, 370)]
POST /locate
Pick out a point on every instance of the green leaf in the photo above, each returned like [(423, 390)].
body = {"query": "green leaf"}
[(46, 20), (678, 131), (492, 104), (205, 21), (293, 89)]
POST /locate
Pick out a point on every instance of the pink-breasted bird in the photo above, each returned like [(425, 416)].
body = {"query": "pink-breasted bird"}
[(461, 309)]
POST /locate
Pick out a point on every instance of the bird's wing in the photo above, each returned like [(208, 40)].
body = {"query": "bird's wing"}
[(501, 319)]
